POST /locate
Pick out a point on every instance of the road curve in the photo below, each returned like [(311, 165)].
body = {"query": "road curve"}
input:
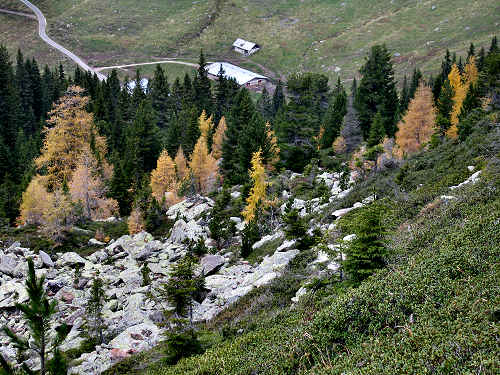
[(17, 13), (147, 63), (42, 25)]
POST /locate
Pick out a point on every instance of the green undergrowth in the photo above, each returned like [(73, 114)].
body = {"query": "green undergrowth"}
[(433, 309)]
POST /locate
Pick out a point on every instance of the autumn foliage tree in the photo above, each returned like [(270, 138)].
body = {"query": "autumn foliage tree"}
[(206, 124), (219, 138), (164, 177), (72, 170), (460, 84), (181, 164), (71, 129), (203, 167), (418, 125), (272, 150), (258, 192), (88, 187)]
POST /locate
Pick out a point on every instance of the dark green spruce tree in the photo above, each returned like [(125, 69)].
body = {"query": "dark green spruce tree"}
[(160, 98), (241, 115), (278, 98), (365, 253), (334, 116), (377, 92), (265, 105), (202, 87)]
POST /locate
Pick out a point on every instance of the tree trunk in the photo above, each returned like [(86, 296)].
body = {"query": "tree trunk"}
[(42, 355)]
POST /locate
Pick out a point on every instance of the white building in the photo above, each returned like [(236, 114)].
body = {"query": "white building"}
[(244, 47), (242, 76)]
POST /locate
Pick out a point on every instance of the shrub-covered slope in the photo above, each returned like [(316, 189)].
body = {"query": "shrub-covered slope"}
[(433, 309)]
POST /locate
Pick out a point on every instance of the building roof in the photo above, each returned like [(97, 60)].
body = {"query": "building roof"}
[(244, 44), (242, 76)]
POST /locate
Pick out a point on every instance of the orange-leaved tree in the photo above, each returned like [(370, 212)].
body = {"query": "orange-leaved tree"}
[(181, 165), (418, 125), (273, 150), (135, 221), (71, 129), (35, 202), (88, 186), (164, 177), (257, 195), (205, 123), (219, 137), (203, 167), (339, 145)]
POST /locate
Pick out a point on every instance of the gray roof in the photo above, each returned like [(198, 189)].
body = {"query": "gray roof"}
[(244, 44), (242, 76)]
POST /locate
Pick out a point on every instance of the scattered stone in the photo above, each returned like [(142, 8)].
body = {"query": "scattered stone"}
[(264, 240), (71, 259), (94, 242), (210, 264), (8, 264), (190, 231), (302, 291), (471, 180), (45, 258)]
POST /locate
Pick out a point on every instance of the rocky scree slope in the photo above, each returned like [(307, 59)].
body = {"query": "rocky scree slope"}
[(132, 320)]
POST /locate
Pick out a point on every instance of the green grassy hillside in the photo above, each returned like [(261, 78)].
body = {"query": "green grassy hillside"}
[(434, 309), (314, 35)]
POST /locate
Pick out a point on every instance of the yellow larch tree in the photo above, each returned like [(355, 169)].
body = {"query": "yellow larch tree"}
[(181, 164), (88, 187), (258, 192), (418, 125), (59, 216), (219, 137), (274, 150), (35, 202), (460, 84), (135, 221), (339, 145), (71, 129), (164, 177), (318, 138), (471, 74), (203, 167), (205, 123)]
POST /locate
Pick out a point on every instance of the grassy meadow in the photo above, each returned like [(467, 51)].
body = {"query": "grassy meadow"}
[(327, 36)]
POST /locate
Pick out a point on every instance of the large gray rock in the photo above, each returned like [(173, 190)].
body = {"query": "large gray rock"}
[(71, 259), (12, 292), (139, 337), (45, 258), (211, 263), (190, 231), (140, 246), (8, 264), (190, 209)]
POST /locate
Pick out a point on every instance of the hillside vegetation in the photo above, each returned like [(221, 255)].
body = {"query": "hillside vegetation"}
[(325, 36), (433, 309)]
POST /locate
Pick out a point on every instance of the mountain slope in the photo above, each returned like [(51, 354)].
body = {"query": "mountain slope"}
[(433, 309)]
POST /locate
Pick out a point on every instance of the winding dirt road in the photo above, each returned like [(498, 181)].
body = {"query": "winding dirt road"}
[(17, 13), (147, 63), (42, 26)]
